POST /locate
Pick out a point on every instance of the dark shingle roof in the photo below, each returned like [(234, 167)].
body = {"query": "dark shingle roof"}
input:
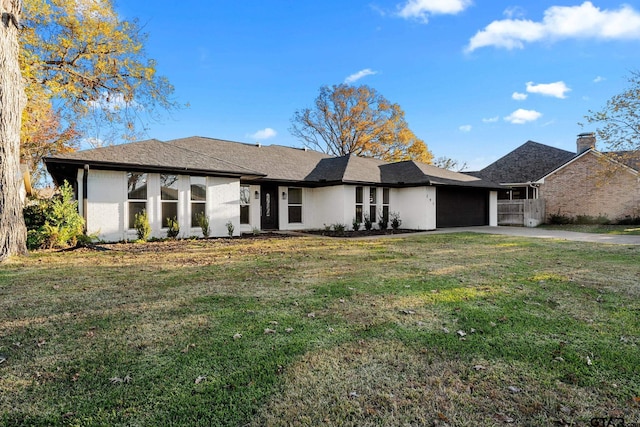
[(529, 162), (255, 162), (275, 161), (153, 154)]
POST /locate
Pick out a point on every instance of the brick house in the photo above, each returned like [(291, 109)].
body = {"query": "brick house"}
[(584, 183)]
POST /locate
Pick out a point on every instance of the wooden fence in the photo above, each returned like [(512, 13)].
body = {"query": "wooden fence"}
[(528, 213)]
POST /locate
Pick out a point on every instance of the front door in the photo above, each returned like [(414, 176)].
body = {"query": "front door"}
[(269, 207)]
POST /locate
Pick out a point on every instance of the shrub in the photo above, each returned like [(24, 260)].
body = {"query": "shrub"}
[(396, 222), (383, 222), (339, 228), (230, 228), (63, 224), (560, 219), (368, 224), (203, 222), (35, 213), (355, 224), (629, 220), (255, 231), (141, 224), (173, 228)]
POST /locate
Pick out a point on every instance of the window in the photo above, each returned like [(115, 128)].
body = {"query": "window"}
[(245, 200), (198, 198), (359, 198), (169, 197), (295, 205), (372, 203), (385, 204), (136, 195)]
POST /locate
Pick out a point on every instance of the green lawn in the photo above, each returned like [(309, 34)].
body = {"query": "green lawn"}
[(597, 228), (458, 330)]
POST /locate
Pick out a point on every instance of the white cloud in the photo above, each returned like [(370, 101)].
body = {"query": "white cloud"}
[(585, 21), (491, 119), (519, 96), (557, 89), (465, 128), (599, 79), (265, 133), (360, 74), (521, 116), (513, 12), (422, 9)]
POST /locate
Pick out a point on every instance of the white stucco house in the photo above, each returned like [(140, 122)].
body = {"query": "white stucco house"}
[(260, 187)]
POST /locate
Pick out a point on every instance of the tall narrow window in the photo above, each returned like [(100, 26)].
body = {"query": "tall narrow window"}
[(198, 198), (372, 203), (295, 205), (359, 198), (169, 197), (245, 200), (136, 195), (385, 204)]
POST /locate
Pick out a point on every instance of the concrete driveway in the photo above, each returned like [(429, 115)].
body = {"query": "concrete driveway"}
[(613, 239)]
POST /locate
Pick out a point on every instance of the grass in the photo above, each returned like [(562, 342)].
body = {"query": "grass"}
[(460, 330), (596, 228)]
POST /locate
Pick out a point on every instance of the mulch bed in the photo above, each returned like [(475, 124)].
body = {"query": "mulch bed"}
[(359, 233)]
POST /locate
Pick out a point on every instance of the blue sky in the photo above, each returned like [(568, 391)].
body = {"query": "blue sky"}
[(476, 78)]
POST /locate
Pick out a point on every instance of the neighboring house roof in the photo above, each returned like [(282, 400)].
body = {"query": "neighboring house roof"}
[(527, 163), (253, 162)]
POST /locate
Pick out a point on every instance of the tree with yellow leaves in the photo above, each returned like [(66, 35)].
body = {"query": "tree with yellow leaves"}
[(83, 69), (92, 66), (358, 120)]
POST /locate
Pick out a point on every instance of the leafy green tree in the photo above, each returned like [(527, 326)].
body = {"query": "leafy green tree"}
[(63, 225)]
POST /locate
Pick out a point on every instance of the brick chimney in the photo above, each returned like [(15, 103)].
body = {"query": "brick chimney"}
[(585, 142)]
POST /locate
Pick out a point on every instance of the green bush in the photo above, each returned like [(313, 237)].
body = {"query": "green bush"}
[(63, 225), (368, 223), (142, 226), (173, 228), (230, 228), (203, 223), (629, 220), (383, 222), (560, 219), (356, 224), (396, 222), (339, 228)]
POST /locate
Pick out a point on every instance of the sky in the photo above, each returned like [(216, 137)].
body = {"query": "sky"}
[(475, 78)]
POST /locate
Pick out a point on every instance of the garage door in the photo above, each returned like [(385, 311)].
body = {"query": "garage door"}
[(461, 207)]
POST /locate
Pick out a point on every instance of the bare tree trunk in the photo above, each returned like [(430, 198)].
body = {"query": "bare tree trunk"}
[(12, 102)]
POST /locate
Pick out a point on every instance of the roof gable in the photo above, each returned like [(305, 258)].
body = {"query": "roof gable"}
[(527, 163), (601, 156)]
